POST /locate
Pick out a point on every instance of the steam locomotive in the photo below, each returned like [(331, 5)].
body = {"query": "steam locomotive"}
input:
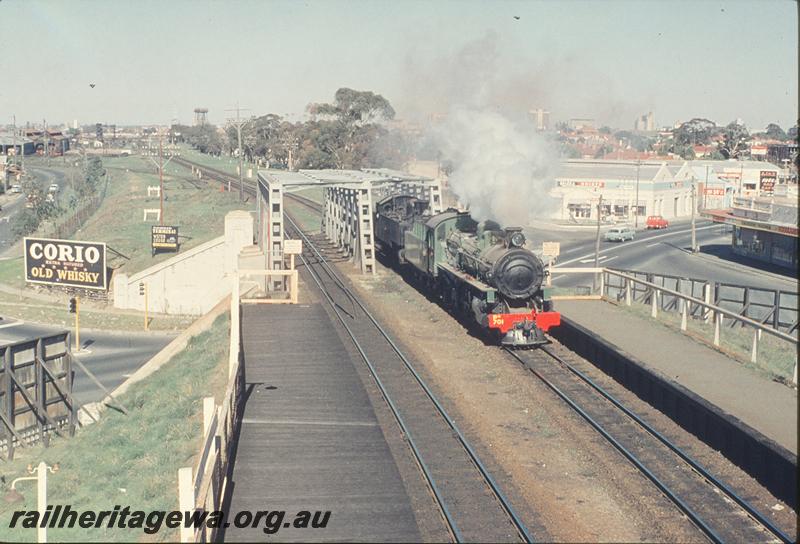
[(478, 270)]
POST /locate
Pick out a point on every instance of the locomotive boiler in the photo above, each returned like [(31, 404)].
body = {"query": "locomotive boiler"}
[(479, 270)]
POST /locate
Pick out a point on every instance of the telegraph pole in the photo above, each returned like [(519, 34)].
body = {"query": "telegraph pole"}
[(239, 123), (14, 121), (597, 242), (636, 206), (45, 135), (694, 234), (161, 178)]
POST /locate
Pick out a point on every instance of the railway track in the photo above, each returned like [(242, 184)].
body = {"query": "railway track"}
[(472, 503), (714, 508)]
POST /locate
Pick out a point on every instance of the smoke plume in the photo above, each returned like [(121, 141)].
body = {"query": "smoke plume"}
[(477, 99), (502, 170)]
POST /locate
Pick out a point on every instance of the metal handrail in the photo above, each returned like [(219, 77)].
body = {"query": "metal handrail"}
[(698, 302)]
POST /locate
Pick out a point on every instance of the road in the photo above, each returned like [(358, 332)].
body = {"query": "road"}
[(111, 357), (49, 176), (661, 251)]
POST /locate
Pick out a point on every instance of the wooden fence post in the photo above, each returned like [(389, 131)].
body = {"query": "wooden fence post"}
[(208, 413), (186, 500)]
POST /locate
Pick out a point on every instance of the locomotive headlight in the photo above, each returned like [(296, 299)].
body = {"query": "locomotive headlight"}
[(517, 239)]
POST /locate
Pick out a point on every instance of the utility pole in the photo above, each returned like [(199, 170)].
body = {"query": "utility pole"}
[(161, 178), (705, 189), (636, 206), (14, 121), (239, 123), (597, 242), (45, 135), (694, 234), (160, 166)]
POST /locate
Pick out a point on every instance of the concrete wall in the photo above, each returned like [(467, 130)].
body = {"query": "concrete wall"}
[(192, 282)]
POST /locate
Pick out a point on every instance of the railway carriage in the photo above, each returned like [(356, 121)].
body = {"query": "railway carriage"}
[(478, 270)]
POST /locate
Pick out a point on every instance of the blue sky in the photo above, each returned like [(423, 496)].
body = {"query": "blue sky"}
[(152, 61)]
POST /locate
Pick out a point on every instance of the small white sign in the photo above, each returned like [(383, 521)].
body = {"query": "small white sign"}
[(292, 247), (551, 249)]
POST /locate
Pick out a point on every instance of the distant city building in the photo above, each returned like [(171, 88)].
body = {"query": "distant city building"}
[(75, 124), (645, 123), (580, 124), (540, 119)]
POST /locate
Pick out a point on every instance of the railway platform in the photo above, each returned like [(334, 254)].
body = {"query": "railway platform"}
[(310, 440), (761, 403)]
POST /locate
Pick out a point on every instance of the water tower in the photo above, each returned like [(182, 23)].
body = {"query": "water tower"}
[(200, 116)]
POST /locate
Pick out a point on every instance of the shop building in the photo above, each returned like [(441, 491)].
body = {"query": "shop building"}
[(764, 229)]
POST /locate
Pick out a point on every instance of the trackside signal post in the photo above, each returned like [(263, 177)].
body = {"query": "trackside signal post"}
[(74, 308), (551, 250), (143, 292)]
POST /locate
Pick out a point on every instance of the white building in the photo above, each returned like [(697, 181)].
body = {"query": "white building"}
[(655, 187), (749, 178)]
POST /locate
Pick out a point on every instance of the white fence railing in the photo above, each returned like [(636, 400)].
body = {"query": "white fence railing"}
[(688, 305), (203, 486)]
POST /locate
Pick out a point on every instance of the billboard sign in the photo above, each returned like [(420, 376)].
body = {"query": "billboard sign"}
[(768, 179), (163, 237), (69, 263)]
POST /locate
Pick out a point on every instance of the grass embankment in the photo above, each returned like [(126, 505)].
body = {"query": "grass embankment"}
[(776, 358), (129, 460), (56, 314), (198, 210), (226, 163)]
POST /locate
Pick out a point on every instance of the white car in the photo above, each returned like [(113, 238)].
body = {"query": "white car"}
[(53, 188), (619, 234), (15, 189)]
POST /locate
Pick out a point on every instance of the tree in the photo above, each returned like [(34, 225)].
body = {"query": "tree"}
[(353, 107), (694, 131), (775, 132), (735, 140), (25, 222)]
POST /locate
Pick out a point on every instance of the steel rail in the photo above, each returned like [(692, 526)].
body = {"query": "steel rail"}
[(494, 486), (425, 470), (685, 508), (758, 516)]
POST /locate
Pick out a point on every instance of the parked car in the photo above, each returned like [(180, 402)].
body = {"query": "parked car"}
[(619, 234), (53, 188), (656, 222), (15, 189)]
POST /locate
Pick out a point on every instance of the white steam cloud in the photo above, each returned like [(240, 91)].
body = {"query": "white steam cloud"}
[(501, 170), (482, 91)]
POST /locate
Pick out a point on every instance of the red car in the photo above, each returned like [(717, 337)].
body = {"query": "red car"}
[(656, 222)]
